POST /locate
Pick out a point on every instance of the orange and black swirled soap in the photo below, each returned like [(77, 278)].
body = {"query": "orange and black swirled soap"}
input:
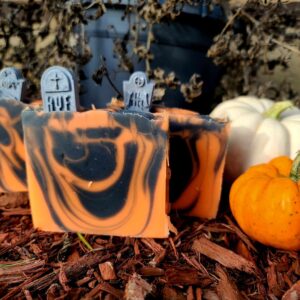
[(12, 153), (97, 171), (197, 155)]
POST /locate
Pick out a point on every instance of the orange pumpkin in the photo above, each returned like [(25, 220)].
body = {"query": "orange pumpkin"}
[(265, 202)]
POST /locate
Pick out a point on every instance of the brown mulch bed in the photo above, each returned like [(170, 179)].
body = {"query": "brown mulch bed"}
[(204, 260)]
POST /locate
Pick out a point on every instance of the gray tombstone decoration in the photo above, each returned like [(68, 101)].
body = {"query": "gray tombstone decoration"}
[(59, 90), (12, 84), (138, 92)]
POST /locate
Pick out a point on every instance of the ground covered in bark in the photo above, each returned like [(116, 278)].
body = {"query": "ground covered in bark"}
[(203, 260)]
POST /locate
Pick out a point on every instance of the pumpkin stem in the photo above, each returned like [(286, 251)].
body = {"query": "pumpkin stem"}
[(275, 110), (295, 171)]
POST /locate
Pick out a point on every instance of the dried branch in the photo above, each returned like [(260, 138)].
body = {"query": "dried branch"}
[(246, 48)]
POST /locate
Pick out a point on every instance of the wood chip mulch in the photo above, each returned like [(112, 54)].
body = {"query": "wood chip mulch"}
[(204, 260)]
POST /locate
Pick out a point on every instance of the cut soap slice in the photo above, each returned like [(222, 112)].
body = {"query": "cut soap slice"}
[(98, 172), (12, 153), (197, 155)]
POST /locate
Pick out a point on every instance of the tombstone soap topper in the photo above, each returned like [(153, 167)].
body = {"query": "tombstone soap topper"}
[(138, 92), (12, 84), (12, 154), (59, 90)]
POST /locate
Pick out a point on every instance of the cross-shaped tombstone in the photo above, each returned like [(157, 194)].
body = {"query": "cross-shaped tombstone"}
[(138, 92), (12, 84), (59, 90)]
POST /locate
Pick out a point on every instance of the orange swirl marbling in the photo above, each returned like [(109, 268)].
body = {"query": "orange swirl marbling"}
[(12, 153), (97, 172), (197, 155)]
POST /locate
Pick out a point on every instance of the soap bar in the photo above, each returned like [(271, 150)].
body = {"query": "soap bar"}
[(12, 154), (197, 155), (98, 172)]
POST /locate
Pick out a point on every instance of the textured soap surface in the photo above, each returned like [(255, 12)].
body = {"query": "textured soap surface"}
[(197, 156), (12, 154), (97, 172)]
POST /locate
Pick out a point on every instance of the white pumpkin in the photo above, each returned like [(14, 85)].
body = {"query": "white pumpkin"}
[(260, 130)]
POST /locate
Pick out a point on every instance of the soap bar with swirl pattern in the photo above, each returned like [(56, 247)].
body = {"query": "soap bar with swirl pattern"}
[(12, 153), (98, 172), (197, 155)]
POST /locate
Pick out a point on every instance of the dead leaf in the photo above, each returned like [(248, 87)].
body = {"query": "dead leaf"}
[(137, 288)]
